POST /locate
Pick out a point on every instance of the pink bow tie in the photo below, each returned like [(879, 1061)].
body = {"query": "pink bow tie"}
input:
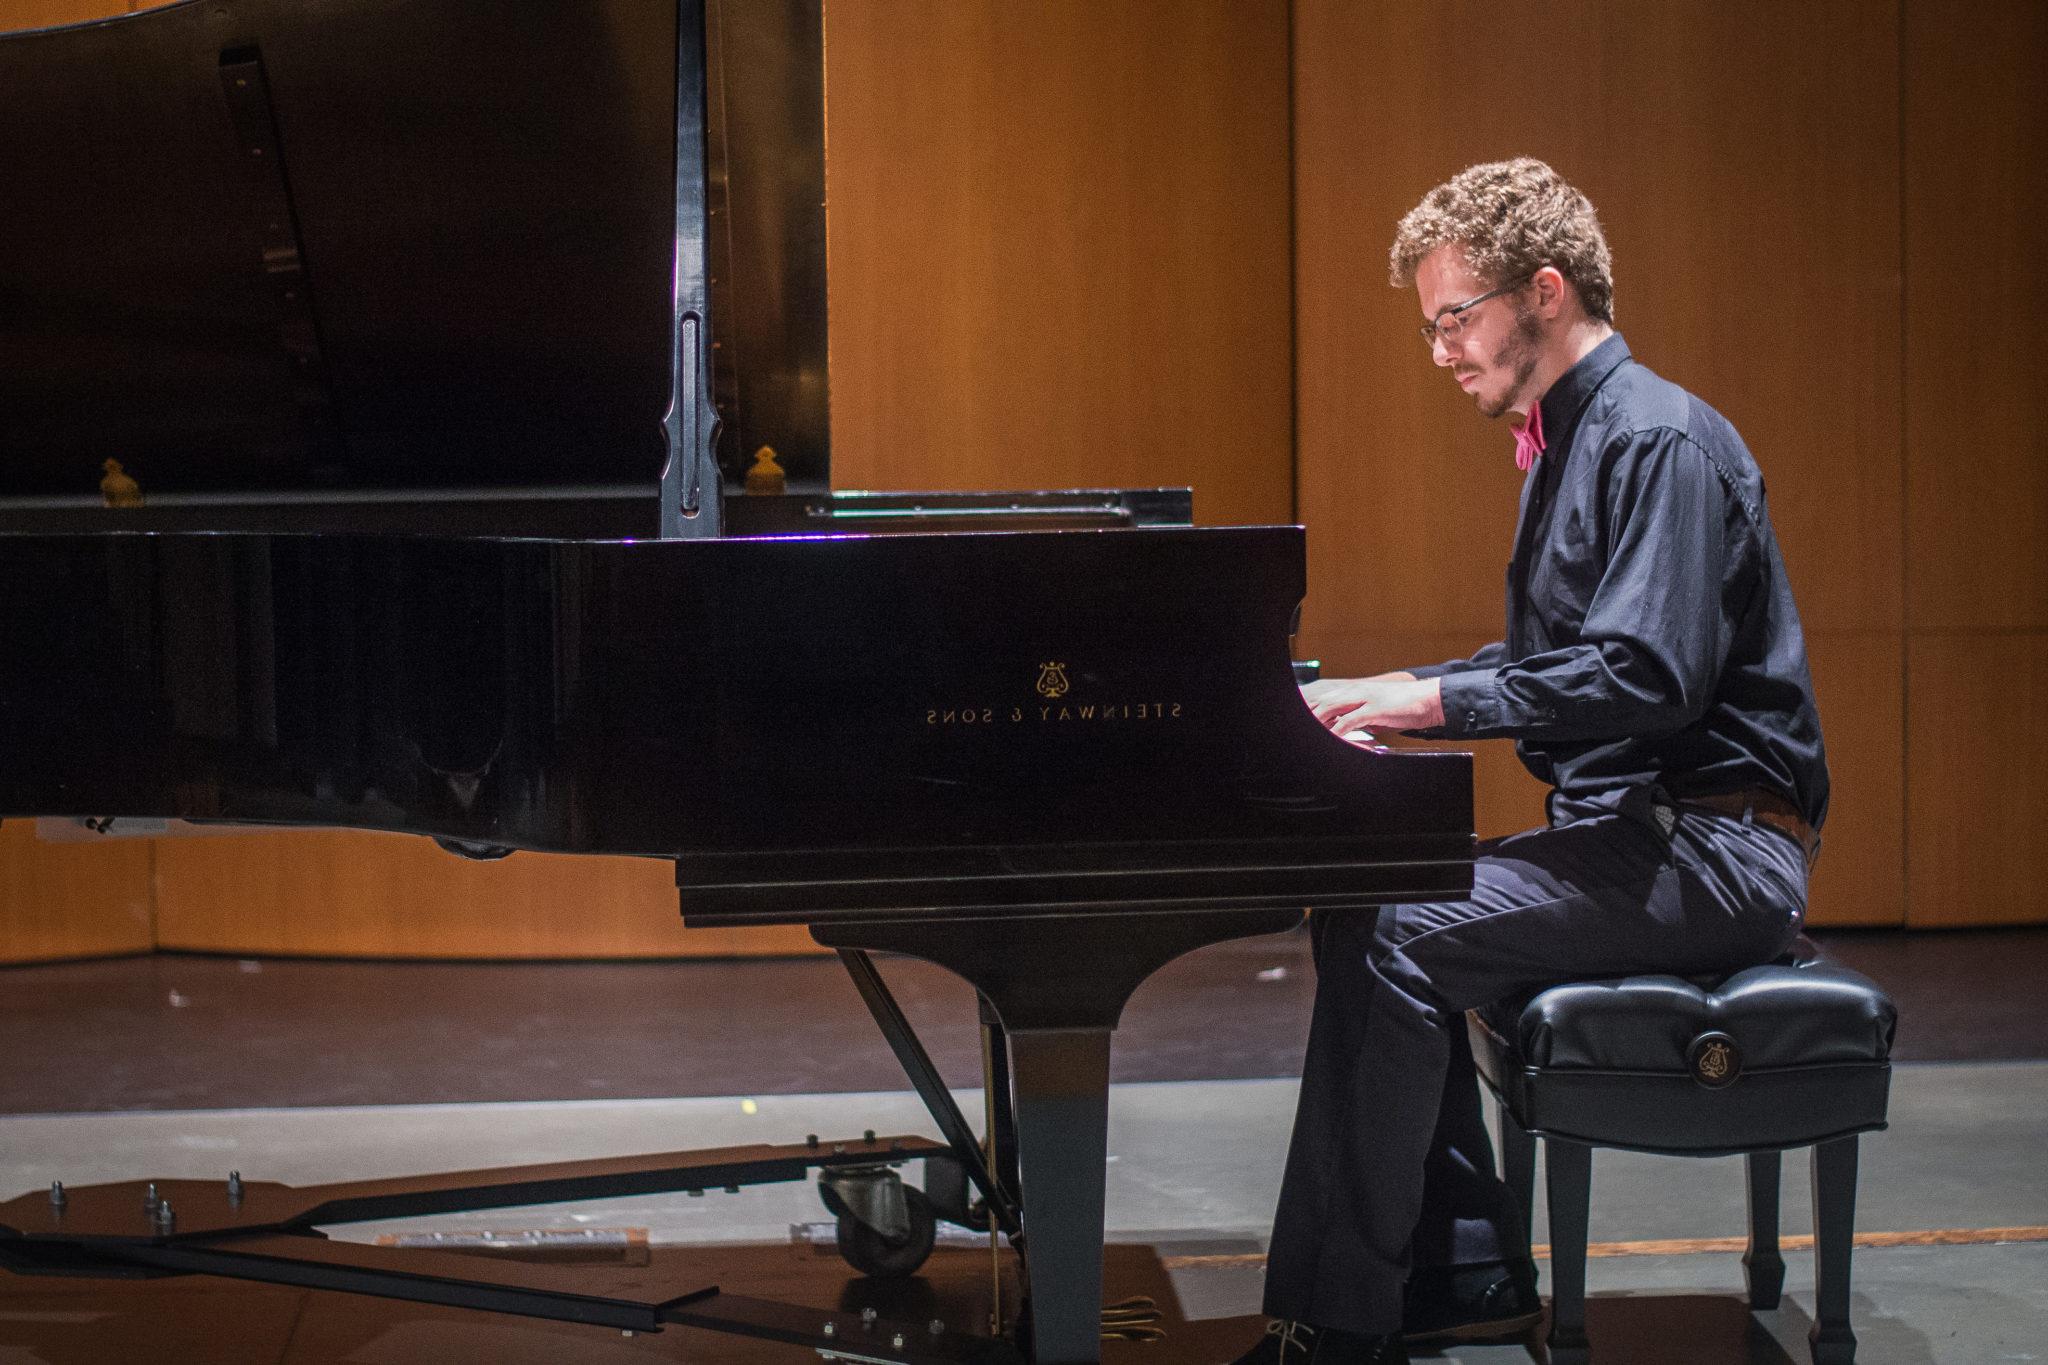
[(1529, 439)]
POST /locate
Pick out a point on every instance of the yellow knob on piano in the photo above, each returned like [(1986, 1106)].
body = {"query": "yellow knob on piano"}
[(117, 488), (766, 476)]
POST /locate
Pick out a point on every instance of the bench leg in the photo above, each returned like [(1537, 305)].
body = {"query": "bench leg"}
[(1518, 1166), (1568, 1167), (1762, 1266), (1834, 1237)]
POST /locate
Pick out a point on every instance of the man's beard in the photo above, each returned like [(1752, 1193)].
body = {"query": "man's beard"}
[(1519, 353)]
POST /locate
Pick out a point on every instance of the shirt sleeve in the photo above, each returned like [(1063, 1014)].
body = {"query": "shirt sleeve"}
[(1487, 658), (1652, 645)]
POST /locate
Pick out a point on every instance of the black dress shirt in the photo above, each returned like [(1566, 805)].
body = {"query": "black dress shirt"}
[(1651, 635)]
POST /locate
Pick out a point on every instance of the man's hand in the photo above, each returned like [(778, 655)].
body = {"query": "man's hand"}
[(1391, 701)]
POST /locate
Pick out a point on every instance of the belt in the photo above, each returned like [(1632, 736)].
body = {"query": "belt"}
[(1766, 808)]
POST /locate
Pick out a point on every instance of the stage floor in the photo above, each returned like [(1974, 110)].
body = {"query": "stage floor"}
[(176, 1031), (311, 1072)]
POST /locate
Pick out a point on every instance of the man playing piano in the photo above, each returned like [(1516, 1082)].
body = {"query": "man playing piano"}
[(1652, 672)]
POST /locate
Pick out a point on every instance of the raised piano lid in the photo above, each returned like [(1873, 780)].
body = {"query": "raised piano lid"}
[(342, 249), (812, 727)]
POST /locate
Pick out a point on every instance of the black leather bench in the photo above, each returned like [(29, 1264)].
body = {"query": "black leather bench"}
[(1793, 1054)]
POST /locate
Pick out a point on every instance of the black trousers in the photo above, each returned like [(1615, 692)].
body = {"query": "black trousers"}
[(1390, 1165)]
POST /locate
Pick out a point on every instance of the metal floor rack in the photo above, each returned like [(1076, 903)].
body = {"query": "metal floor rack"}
[(272, 1233)]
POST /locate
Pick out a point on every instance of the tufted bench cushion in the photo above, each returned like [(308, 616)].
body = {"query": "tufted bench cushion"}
[(1783, 1055)]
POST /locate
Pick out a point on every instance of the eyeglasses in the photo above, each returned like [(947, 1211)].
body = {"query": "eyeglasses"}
[(1449, 322)]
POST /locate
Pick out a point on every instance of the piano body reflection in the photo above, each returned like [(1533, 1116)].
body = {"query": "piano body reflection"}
[(411, 563)]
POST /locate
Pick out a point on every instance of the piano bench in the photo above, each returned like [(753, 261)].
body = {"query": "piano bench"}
[(1792, 1054)]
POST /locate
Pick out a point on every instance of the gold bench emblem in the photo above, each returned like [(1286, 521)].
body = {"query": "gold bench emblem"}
[(1715, 1060)]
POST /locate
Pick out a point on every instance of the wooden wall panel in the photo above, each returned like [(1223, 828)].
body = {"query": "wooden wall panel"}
[(336, 893), (1858, 680), (1977, 315), (1976, 133), (1979, 780), (1059, 247), (72, 900), (1765, 281), (19, 14)]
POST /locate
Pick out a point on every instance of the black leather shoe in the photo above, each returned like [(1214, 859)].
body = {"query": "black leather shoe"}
[(1297, 1343), (1492, 1302)]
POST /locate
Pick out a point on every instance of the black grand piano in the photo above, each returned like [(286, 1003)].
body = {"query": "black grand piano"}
[(438, 333)]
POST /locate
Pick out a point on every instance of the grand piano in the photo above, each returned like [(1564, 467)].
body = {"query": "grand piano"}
[(441, 334)]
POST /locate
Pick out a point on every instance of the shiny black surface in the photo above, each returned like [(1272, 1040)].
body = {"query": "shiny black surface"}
[(813, 727), (481, 235)]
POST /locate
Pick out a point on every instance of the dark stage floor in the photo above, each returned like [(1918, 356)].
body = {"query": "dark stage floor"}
[(179, 1322), (177, 1032)]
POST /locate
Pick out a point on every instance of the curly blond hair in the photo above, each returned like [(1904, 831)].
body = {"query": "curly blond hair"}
[(1512, 218)]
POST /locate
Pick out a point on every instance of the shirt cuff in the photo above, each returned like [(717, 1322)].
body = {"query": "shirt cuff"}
[(1471, 703)]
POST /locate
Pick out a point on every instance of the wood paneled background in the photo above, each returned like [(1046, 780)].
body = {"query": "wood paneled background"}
[(1143, 241), (1976, 458)]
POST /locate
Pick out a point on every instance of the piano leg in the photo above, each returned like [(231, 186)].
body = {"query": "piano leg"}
[(1057, 985), (1062, 1101)]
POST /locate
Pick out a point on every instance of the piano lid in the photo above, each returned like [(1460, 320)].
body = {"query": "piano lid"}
[(267, 246)]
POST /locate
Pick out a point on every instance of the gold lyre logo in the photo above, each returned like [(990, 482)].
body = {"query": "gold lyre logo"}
[(1056, 705), (1715, 1063), (1715, 1060)]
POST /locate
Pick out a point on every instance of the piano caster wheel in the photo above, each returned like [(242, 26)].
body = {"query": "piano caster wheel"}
[(869, 1252)]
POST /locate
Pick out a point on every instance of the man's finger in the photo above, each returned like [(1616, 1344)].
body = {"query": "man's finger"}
[(1353, 719)]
